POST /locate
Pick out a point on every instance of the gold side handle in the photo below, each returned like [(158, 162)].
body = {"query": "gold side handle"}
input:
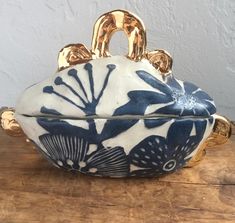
[(221, 133), (9, 123), (113, 21)]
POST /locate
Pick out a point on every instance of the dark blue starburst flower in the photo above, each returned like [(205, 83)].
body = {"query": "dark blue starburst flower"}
[(184, 99), (156, 155)]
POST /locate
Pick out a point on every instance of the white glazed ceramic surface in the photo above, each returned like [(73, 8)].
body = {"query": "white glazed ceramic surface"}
[(116, 117)]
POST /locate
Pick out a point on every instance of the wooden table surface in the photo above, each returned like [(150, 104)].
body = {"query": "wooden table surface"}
[(31, 190)]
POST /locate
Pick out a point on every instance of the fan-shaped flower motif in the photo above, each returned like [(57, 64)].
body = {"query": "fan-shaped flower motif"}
[(184, 100), (75, 153)]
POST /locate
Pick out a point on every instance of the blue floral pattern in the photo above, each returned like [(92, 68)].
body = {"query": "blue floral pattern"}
[(72, 147), (156, 155), (72, 152), (186, 100), (88, 107)]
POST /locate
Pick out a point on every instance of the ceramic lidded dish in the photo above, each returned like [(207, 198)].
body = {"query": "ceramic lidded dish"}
[(119, 116)]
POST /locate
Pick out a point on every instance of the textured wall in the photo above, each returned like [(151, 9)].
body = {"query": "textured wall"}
[(199, 34)]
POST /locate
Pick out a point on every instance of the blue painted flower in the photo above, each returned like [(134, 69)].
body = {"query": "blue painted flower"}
[(156, 155), (75, 153), (183, 100), (75, 148), (86, 105)]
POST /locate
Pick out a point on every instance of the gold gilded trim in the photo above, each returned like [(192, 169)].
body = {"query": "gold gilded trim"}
[(222, 131), (73, 54), (9, 123), (161, 60), (104, 28), (114, 21)]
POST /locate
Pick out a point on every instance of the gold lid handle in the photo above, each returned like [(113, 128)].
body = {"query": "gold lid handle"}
[(114, 21), (104, 28)]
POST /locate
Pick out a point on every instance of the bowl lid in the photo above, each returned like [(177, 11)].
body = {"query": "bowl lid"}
[(114, 87)]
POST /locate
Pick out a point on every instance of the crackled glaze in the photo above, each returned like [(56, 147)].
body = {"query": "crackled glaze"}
[(115, 117)]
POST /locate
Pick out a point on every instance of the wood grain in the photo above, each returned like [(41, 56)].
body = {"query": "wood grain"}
[(31, 190)]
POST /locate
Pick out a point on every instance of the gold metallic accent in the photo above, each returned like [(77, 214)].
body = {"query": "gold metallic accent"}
[(9, 124), (222, 131), (195, 160), (73, 54), (104, 28), (113, 21), (133, 27), (161, 60)]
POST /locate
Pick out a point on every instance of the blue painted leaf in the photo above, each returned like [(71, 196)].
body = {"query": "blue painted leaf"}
[(146, 98), (139, 101), (154, 82), (200, 127), (179, 132), (171, 81), (171, 109), (57, 126), (48, 111), (114, 127), (153, 123)]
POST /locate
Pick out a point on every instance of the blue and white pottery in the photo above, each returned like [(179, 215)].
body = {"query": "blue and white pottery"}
[(116, 117)]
